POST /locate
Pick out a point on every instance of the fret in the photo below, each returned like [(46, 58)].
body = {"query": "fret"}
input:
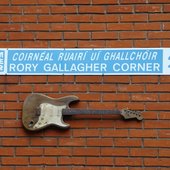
[(89, 111)]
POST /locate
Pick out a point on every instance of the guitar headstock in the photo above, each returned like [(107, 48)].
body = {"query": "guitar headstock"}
[(131, 114)]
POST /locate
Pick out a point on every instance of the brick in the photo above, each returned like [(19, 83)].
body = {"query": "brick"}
[(120, 9), (109, 151), (71, 142), (24, 18), (99, 142), (104, 35), (104, 2), (63, 44), (156, 143), (4, 19), (164, 97), (8, 114), (119, 26), (147, 43), (133, 1), (18, 88), (131, 88), (145, 79), (159, 17), (116, 79), (101, 123), (48, 36), (76, 35), (147, 26), (86, 133), (36, 27), (164, 115), (50, 2), (157, 124), (21, 36), (12, 44), (74, 88), (127, 142), (114, 133), (6, 151), (157, 88), (40, 88), (73, 2), (43, 160), (64, 9), (20, 2), (95, 9), (115, 97), (10, 10), (164, 133), (43, 142), (158, 35), (88, 79), (23, 151), (36, 9), (119, 44), (166, 26), (89, 97), (8, 97), (9, 79), (143, 133), (109, 18), (13, 105), (143, 152), (134, 18), (7, 132), (158, 1), (4, 2), (133, 106), (86, 151), (62, 151), (144, 97), (157, 106), (14, 161), (92, 27), (31, 79), (92, 44), (3, 36), (71, 161), (10, 27), (102, 88), (100, 161), (78, 18), (132, 35), (50, 18), (35, 44), (156, 162), (128, 161), (15, 142), (64, 27), (148, 8), (164, 152), (166, 8)]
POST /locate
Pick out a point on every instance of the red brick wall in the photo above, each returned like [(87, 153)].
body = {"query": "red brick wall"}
[(92, 142)]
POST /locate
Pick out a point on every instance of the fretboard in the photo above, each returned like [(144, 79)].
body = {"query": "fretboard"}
[(89, 111)]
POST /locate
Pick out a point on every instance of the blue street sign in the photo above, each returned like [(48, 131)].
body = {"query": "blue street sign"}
[(97, 61)]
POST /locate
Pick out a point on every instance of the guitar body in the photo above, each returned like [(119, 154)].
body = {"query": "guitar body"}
[(40, 111)]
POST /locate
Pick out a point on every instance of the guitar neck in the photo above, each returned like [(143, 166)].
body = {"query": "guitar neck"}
[(90, 111)]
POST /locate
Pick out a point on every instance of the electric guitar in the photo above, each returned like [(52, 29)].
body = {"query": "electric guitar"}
[(40, 111)]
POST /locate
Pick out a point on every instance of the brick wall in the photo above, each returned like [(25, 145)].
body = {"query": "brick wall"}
[(93, 142)]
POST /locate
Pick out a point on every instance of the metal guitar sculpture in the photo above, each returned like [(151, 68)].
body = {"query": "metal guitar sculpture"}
[(40, 111)]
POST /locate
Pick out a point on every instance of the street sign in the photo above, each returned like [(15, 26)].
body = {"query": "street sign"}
[(85, 61)]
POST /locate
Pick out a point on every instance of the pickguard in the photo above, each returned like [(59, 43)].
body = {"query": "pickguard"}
[(50, 115)]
